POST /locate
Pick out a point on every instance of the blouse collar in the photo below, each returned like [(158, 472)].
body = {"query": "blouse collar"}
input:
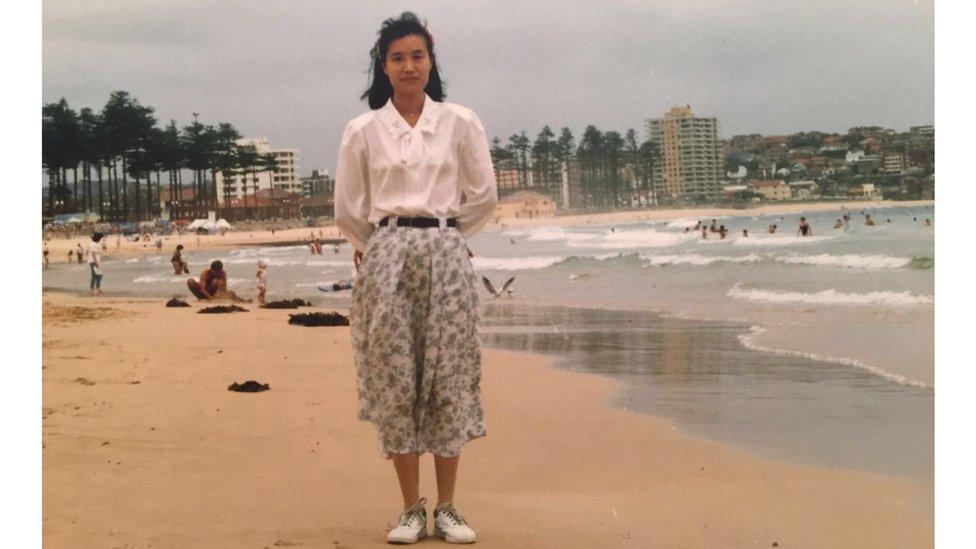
[(398, 126)]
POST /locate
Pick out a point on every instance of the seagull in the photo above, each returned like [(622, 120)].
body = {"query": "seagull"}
[(495, 292)]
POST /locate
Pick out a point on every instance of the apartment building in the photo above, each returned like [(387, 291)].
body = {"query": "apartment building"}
[(689, 155)]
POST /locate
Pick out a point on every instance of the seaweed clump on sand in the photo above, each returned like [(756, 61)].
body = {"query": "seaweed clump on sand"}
[(286, 304), (223, 309), (249, 386), (176, 302), (318, 319)]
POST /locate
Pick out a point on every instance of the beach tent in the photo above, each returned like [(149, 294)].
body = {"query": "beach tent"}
[(197, 223), (223, 224)]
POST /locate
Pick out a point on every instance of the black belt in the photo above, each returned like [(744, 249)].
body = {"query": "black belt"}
[(419, 222)]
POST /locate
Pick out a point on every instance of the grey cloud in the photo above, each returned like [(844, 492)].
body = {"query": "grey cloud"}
[(293, 71)]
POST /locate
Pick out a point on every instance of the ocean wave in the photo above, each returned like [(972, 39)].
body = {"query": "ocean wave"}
[(849, 261), (514, 263), (153, 279), (622, 239), (749, 341), (780, 240), (696, 259), (830, 297)]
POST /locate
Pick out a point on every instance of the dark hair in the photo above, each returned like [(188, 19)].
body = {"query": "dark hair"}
[(179, 246), (380, 90), (217, 266), (96, 237)]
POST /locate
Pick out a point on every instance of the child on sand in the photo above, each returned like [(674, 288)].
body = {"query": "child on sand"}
[(262, 277)]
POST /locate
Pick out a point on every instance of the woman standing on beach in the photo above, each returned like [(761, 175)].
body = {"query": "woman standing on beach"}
[(414, 182)]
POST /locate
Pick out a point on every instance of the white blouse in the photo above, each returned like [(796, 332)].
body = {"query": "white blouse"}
[(439, 168)]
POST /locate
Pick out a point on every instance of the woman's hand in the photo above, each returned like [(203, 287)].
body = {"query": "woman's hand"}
[(357, 258)]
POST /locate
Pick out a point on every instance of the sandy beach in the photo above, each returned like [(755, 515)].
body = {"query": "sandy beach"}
[(144, 446), (59, 246)]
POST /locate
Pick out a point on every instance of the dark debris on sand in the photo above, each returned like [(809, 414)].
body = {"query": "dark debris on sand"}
[(223, 309), (286, 304), (177, 303), (249, 386), (318, 319)]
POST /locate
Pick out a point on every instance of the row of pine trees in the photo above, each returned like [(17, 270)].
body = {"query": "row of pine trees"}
[(614, 169), (112, 161)]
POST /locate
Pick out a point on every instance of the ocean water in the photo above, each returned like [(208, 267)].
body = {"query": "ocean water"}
[(802, 329)]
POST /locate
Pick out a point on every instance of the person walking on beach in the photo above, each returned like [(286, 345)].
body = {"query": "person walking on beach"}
[(94, 256), (46, 254), (71, 255), (179, 266), (79, 253), (262, 280), (414, 311)]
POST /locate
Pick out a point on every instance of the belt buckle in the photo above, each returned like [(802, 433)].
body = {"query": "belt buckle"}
[(442, 223), (392, 221)]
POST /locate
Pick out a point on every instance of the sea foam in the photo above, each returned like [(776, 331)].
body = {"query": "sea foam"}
[(852, 261), (830, 297)]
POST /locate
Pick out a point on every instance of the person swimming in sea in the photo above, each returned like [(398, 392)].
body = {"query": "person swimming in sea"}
[(722, 232), (868, 221), (804, 229), (745, 233), (839, 224)]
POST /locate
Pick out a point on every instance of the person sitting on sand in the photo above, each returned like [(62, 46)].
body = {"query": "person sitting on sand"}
[(262, 280), (211, 280), (179, 265), (804, 229)]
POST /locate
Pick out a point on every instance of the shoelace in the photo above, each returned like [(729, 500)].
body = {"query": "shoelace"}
[(407, 517), (454, 515)]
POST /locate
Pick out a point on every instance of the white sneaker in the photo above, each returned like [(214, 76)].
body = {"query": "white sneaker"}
[(450, 526), (412, 526)]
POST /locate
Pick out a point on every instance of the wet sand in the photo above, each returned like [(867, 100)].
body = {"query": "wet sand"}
[(144, 445)]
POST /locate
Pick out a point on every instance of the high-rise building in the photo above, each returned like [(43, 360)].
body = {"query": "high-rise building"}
[(688, 160), (249, 179), (317, 184)]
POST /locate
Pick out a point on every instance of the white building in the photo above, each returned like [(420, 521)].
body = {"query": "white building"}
[(250, 179)]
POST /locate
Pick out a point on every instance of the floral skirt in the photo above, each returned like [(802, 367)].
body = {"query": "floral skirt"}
[(413, 320)]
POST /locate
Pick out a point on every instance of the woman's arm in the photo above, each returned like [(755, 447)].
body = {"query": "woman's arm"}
[(477, 179), (352, 203)]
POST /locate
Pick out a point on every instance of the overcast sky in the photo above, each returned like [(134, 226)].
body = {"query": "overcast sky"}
[(293, 70)]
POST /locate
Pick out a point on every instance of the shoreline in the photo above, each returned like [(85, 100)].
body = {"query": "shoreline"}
[(182, 448), (59, 246)]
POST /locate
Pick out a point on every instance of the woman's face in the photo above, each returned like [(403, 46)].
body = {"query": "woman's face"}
[(408, 64)]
